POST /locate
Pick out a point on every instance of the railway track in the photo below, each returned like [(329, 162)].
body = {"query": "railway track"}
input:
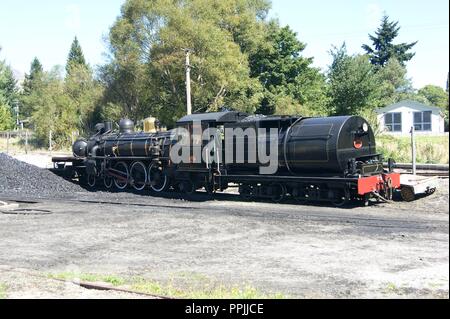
[(440, 170), (443, 174)]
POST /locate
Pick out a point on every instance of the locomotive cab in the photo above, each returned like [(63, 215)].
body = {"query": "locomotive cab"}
[(195, 124)]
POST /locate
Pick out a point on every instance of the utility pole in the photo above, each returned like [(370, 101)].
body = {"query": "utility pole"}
[(413, 150), (188, 82), (16, 109)]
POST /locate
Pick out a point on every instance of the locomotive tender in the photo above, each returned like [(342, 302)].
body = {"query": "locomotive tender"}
[(330, 159)]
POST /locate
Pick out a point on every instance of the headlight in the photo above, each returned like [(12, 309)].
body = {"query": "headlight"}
[(365, 128)]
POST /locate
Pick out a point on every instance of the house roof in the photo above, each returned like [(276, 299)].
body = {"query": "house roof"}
[(408, 103)]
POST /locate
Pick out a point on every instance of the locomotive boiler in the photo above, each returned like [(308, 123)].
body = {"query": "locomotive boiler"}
[(318, 159)]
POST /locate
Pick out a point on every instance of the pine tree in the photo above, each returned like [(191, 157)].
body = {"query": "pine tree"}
[(8, 84), (76, 56), (35, 74), (383, 47)]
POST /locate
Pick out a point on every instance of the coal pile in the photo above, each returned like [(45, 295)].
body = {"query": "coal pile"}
[(25, 179)]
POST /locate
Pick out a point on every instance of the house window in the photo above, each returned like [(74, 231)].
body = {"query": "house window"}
[(393, 122), (422, 121)]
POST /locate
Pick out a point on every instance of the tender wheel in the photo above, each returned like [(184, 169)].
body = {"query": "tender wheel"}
[(122, 169), (300, 195), (341, 198), (91, 180), (108, 182), (277, 192), (246, 191), (186, 187), (158, 180), (209, 188), (366, 200), (138, 173)]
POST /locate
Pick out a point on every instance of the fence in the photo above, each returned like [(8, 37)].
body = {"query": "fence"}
[(9, 136), (23, 137)]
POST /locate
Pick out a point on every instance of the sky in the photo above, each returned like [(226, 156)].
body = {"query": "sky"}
[(46, 29)]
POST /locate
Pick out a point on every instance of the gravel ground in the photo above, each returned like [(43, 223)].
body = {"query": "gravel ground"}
[(383, 251), (25, 179)]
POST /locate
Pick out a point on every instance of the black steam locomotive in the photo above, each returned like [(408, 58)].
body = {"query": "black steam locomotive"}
[(330, 159)]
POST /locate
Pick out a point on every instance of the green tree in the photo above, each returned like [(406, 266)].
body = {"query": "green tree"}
[(436, 96), (291, 85), (6, 119), (31, 83), (394, 84), (146, 73), (353, 87), (8, 85), (64, 105), (84, 93), (76, 56), (383, 47), (53, 110), (8, 96), (33, 77)]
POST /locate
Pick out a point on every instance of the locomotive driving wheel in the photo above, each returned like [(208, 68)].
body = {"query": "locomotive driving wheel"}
[(91, 180), (138, 173), (157, 178), (108, 181), (122, 170)]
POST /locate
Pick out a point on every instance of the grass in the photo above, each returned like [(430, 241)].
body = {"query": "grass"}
[(110, 279), (17, 146), (2, 291), (186, 286), (215, 291), (391, 288), (429, 149)]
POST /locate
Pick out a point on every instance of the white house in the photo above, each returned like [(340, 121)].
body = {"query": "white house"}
[(398, 118)]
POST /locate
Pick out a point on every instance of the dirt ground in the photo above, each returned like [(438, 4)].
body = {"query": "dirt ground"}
[(26, 284), (382, 251)]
